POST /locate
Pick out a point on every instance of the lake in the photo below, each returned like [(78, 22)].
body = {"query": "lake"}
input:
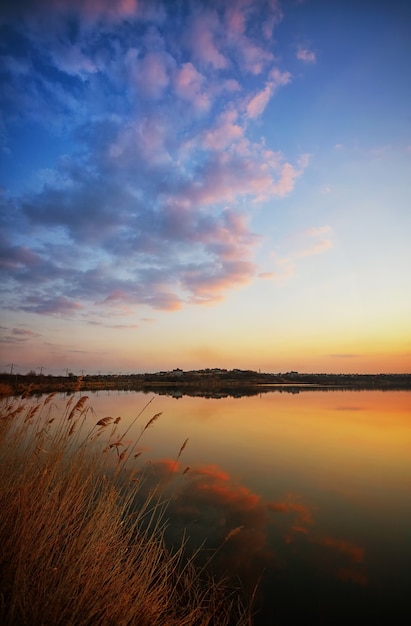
[(315, 484)]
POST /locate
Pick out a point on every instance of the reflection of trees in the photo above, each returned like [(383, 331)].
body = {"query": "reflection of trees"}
[(238, 392)]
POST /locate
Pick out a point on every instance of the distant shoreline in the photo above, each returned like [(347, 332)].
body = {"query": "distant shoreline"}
[(208, 383)]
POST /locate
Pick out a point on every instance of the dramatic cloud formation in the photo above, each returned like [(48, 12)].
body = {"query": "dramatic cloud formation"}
[(157, 159), (151, 201)]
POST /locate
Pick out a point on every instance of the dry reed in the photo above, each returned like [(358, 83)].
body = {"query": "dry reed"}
[(75, 551)]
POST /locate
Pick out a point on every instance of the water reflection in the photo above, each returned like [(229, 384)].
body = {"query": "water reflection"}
[(255, 540), (316, 488)]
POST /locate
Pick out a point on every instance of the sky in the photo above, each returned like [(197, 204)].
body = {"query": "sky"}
[(209, 183)]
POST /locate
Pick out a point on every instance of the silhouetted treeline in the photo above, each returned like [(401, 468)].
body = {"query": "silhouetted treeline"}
[(215, 383)]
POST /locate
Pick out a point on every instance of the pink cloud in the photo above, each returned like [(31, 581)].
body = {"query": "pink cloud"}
[(150, 134), (90, 11), (245, 169), (255, 58), (224, 133), (204, 32), (249, 55), (152, 200), (188, 85), (275, 16), (226, 178), (121, 302), (288, 176), (238, 15), (317, 248), (306, 55), (151, 73), (116, 295), (322, 244), (24, 332), (235, 19), (278, 78), (164, 300), (207, 285), (257, 104), (231, 245)]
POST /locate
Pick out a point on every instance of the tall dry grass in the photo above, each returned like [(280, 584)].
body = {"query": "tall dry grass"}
[(74, 548)]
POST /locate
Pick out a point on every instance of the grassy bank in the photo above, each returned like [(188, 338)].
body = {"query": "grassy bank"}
[(74, 548)]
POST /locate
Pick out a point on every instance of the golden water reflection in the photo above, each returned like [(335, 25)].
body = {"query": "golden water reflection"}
[(313, 488)]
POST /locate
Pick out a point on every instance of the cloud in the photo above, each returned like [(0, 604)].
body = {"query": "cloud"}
[(60, 306), (189, 85), (115, 326), (91, 12), (25, 332), (311, 242), (151, 200), (259, 101), (240, 22), (317, 248), (318, 238), (151, 74), (326, 189), (204, 37), (225, 133), (306, 55), (17, 335)]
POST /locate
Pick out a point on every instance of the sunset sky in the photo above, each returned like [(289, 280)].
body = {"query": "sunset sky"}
[(210, 183)]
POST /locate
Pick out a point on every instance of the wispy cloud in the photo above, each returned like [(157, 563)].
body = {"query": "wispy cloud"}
[(17, 335), (259, 101), (310, 242)]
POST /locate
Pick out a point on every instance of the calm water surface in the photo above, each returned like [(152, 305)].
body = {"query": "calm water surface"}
[(320, 483)]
